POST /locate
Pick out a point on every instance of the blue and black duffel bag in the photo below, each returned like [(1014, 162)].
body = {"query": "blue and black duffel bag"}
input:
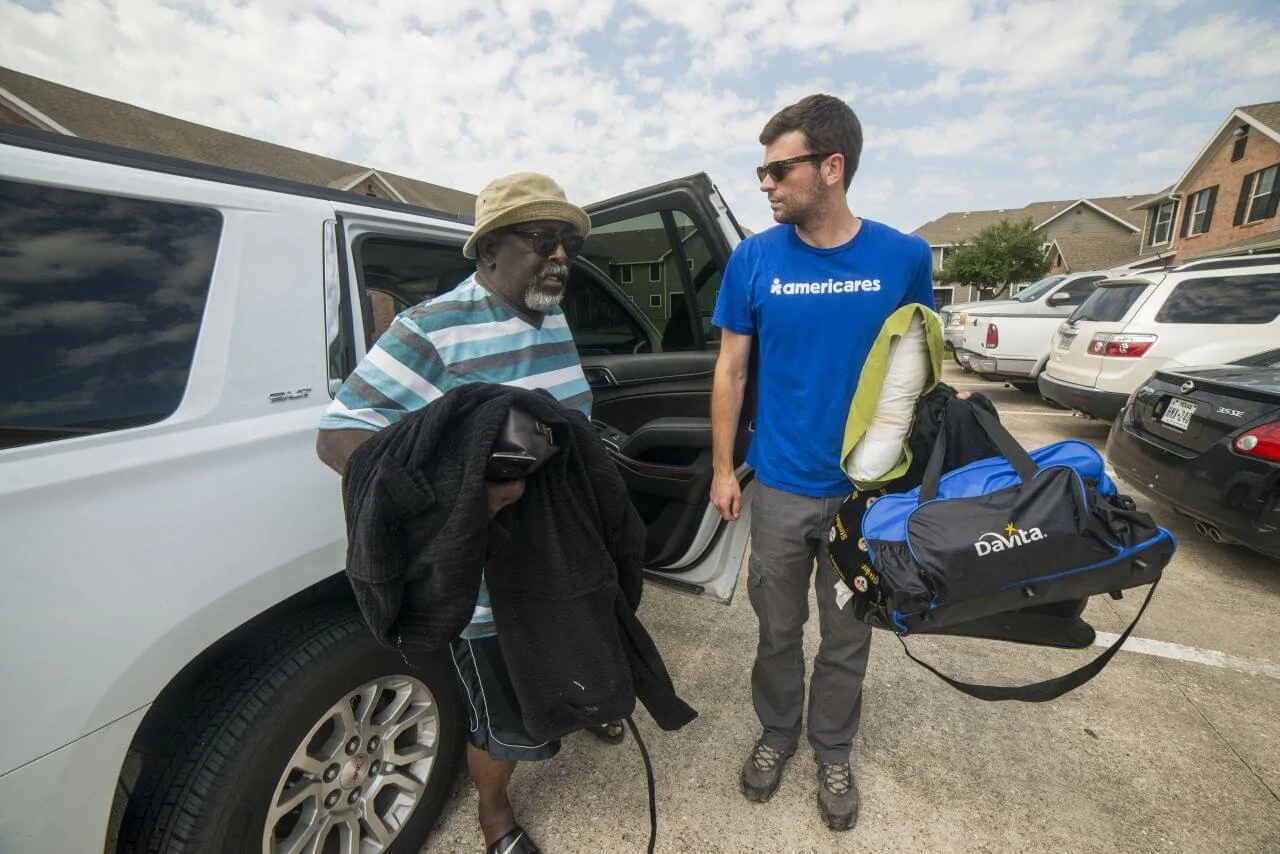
[(1003, 533)]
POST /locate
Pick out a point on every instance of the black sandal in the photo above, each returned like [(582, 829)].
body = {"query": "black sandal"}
[(610, 733), (517, 841)]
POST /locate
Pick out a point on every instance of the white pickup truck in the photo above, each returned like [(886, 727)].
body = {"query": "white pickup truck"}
[(1010, 340)]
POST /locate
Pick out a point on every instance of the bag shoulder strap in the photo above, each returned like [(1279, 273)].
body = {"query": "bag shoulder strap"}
[(996, 432), (1049, 689)]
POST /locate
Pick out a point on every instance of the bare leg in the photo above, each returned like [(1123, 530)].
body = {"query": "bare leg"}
[(491, 778)]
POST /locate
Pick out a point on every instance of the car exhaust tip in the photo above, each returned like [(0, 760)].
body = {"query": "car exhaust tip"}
[(1202, 529)]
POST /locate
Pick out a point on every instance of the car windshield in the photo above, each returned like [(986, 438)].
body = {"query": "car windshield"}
[(1108, 303), (1034, 291)]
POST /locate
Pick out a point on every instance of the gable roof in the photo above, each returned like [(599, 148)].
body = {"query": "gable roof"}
[(1265, 117), (117, 123), (1097, 207), (1083, 252), (958, 226)]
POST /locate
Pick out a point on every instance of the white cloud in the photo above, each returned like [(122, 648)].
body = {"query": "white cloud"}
[(1003, 99)]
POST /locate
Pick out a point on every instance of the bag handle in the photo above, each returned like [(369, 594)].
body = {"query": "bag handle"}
[(1000, 437), (1049, 689)]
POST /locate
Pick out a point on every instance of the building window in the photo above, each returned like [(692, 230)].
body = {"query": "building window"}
[(626, 274), (1242, 139), (1261, 200), (655, 300), (1162, 225), (655, 272), (1199, 215)]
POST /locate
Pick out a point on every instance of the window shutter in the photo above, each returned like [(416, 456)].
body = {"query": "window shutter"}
[(1208, 210), (1186, 216), (1242, 206), (1153, 214), (1273, 198)]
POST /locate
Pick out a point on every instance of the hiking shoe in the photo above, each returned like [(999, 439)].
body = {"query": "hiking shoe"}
[(837, 795), (763, 771)]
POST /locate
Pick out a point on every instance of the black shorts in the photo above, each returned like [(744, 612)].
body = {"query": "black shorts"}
[(496, 724)]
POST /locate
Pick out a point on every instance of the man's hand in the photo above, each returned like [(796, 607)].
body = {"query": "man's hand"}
[(502, 493), (726, 495)]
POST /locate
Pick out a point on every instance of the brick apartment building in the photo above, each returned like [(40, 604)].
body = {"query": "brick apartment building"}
[(1226, 201)]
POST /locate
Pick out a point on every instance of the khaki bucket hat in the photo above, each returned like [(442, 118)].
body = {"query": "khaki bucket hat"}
[(523, 197)]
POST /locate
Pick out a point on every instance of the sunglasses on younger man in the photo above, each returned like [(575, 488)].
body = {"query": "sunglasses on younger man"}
[(545, 242), (778, 169)]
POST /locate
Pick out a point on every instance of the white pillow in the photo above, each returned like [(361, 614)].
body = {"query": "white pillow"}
[(907, 370)]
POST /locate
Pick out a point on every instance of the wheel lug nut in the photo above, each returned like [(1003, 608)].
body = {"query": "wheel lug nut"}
[(354, 796), (374, 742), (353, 745), (375, 768), (332, 800), (331, 773)]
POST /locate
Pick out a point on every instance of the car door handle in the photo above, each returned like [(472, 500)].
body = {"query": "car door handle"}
[(600, 377)]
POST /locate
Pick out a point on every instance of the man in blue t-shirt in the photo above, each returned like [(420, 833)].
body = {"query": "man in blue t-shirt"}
[(813, 293)]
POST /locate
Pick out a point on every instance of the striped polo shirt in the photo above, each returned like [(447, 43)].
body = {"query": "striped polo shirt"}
[(465, 336)]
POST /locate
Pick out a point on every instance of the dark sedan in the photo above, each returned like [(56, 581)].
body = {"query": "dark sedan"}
[(1206, 442)]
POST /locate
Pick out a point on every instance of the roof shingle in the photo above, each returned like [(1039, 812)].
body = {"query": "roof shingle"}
[(1267, 113)]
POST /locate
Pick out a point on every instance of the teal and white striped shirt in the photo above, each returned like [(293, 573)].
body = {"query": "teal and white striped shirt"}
[(465, 336)]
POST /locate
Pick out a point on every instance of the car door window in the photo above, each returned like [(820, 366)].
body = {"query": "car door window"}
[(1077, 291), (397, 274), (658, 260), (600, 323)]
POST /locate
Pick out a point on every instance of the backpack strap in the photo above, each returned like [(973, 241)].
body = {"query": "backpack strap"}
[(1049, 689)]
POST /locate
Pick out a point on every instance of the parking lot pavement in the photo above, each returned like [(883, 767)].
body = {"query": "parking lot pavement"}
[(1175, 747)]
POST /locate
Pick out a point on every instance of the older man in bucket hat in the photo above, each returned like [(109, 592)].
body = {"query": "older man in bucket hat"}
[(526, 235)]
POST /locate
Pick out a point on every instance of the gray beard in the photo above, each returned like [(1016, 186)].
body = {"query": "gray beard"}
[(538, 301), (534, 297)]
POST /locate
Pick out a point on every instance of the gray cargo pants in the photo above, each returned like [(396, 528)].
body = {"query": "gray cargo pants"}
[(788, 533)]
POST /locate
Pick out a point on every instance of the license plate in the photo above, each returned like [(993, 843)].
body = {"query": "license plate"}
[(1178, 413), (1064, 341)]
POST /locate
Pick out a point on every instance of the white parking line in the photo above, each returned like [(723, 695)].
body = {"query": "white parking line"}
[(1056, 413), (1192, 654)]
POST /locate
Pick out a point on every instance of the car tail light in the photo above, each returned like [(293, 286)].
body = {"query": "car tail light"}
[(1261, 442), (993, 337), (1123, 346)]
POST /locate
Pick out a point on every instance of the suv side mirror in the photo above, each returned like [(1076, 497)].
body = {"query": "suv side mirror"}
[(1060, 298)]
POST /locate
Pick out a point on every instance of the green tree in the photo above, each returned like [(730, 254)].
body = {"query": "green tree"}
[(1001, 254)]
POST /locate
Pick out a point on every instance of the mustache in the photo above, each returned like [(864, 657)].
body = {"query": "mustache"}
[(554, 268)]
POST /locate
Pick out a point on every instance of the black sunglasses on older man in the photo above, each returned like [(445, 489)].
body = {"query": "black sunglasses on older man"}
[(778, 169), (545, 242)]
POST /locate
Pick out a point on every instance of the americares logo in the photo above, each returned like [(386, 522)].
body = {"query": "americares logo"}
[(830, 286), (1011, 539)]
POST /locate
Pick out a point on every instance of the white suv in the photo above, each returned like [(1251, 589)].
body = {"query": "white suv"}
[(1201, 313), (183, 665)]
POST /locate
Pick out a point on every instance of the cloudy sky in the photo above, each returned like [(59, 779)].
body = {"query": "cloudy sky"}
[(966, 104)]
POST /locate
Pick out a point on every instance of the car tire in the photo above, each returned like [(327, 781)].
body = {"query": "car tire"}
[(275, 724)]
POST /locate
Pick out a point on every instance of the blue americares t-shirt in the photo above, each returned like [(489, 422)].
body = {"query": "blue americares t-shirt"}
[(815, 313)]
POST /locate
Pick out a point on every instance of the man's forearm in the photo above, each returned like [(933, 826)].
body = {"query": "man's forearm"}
[(335, 447), (726, 410)]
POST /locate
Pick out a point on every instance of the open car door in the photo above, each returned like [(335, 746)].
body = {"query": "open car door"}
[(639, 302)]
